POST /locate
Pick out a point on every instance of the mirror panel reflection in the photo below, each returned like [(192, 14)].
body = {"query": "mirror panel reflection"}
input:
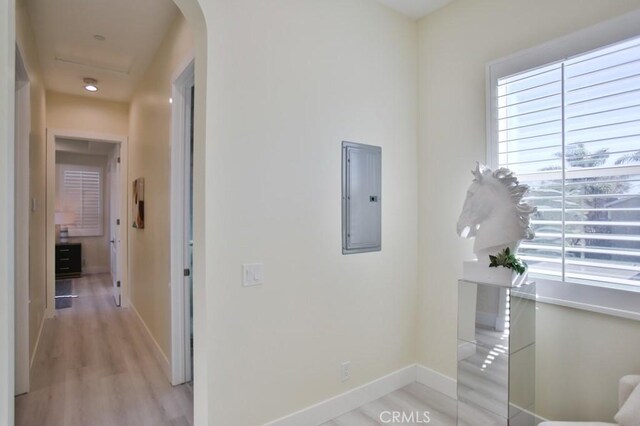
[(496, 354)]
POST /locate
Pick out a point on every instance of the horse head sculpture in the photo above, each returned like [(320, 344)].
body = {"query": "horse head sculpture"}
[(494, 213)]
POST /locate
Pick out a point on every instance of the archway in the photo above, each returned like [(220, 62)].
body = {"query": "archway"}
[(194, 15)]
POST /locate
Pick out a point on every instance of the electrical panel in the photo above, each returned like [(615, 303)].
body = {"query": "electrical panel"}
[(361, 198)]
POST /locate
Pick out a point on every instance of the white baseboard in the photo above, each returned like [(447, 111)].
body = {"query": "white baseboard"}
[(437, 381), (37, 345), (524, 417), (489, 320), (157, 351), (466, 349), (350, 400)]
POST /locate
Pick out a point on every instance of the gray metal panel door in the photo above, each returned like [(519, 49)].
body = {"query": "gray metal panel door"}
[(361, 198)]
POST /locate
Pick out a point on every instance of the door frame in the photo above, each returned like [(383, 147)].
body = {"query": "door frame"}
[(203, 301), (22, 216), (7, 199), (115, 193), (52, 135), (183, 80)]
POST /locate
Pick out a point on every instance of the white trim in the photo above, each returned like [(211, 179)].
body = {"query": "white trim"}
[(582, 41), (52, 135), (603, 300), (587, 39), (345, 402), (437, 381), (525, 417), (488, 320), (87, 136), (37, 345), (7, 200), (619, 302), (350, 400), (449, 386), (151, 341), (193, 12), (114, 196), (180, 118), (186, 66), (465, 350), (22, 219)]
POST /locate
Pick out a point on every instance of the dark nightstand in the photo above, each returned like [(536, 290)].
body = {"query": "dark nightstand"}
[(68, 260)]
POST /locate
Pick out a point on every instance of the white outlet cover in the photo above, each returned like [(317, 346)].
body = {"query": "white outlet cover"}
[(252, 274), (345, 371)]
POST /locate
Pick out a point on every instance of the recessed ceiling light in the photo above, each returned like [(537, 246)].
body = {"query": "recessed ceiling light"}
[(99, 37), (90, 84)]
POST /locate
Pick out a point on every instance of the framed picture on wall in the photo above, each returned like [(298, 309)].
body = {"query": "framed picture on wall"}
[(138, 203)]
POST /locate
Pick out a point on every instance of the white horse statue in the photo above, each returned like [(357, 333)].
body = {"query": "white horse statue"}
[(494, 212)]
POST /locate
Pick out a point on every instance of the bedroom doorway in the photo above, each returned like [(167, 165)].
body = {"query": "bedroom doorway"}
[(182, 148)]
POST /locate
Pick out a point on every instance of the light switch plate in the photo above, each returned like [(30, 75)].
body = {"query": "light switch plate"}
[(252, 274)]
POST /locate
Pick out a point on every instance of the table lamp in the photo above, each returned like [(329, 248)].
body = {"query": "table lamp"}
[(64, 219)]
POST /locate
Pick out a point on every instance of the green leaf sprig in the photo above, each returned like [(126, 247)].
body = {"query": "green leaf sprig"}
[(508, 260)]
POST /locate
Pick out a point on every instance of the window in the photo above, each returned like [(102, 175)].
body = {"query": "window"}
[(80, 193), (571, 131), (565, 116)]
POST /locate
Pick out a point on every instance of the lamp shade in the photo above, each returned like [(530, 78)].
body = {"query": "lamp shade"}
[(65, 218)]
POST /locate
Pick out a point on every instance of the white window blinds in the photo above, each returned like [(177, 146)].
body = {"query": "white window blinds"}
[(80, 193), (571, 131)]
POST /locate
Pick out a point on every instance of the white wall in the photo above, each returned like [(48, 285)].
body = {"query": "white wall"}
[(96, 250), (581, 356), (455, 44), (37, 155), (279, 105), (150, 158), (289, 80), (86, 114)]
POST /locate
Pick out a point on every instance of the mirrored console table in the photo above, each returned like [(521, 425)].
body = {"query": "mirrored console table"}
[(496, 354)]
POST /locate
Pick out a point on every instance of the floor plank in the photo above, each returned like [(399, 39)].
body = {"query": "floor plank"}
[(93, 367), (414, 398)]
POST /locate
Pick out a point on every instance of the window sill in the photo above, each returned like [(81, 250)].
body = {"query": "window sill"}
[(623, 303)]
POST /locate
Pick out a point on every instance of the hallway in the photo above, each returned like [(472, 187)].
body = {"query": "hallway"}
[(94, 367)]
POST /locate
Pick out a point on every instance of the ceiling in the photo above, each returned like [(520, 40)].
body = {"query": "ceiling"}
[(415, 9), (133, 30), (68, 52)]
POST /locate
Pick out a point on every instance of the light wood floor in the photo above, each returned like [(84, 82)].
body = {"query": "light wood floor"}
[(414, 398), (95, 368)]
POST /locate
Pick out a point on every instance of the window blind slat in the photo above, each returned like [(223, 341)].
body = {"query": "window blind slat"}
[(82, 194), (602, 58), (581, 159)]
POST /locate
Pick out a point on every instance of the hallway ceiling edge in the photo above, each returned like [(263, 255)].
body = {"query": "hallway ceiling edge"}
[(112, 41)]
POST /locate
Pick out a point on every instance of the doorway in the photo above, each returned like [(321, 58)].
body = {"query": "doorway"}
[(194, 14), (107, 170), (22, 217), (182, 148), (115, 188)]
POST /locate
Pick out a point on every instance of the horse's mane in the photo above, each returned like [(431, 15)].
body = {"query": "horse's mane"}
[(516, 190)]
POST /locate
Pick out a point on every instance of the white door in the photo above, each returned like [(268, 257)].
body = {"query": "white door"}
[(188, 231), (114, 222)]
